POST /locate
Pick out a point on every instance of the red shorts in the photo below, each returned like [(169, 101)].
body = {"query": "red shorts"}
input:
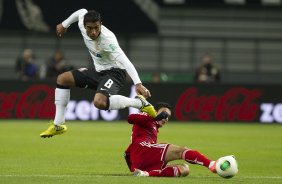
[(147, 157)]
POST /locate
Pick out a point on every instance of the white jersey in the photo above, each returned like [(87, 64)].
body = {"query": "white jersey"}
[(104, 50)]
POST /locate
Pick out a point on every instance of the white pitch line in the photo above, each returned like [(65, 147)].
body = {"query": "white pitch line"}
[(244, 177), (263, 177)]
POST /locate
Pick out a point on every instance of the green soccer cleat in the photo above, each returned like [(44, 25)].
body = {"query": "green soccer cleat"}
[(146, 106), (54, 130)]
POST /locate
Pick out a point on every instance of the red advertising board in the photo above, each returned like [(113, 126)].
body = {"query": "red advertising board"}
[(209, 103)]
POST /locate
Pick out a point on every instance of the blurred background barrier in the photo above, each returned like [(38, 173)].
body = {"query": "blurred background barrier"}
[(201, 102)]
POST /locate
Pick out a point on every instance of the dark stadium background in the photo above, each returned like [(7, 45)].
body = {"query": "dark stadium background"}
[(167, 38)]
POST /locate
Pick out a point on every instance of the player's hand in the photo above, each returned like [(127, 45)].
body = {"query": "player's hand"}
[(60, 30), (142, 90)]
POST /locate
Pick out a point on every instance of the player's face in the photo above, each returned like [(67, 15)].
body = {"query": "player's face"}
[(93, 29), (163, 121)]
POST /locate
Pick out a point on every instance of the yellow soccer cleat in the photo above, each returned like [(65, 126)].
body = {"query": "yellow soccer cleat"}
[(146, 106), (54, 130)]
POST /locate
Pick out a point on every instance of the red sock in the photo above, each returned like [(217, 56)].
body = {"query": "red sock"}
[(194, 157), (166, 172)]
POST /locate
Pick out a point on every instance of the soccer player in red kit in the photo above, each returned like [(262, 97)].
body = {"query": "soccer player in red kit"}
[(146, 157)]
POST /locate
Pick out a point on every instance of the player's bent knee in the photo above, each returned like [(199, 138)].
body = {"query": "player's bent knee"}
[(174, 152), (184, 170), (180, 150), (100, 103), (65, 79), (60, 79)]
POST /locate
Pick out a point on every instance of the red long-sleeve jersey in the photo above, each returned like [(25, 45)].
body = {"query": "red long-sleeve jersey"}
[(145, 128)]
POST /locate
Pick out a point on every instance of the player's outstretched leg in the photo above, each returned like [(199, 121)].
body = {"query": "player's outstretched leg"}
[(53, 130), (195, 157), (175, 152), (146, 106)]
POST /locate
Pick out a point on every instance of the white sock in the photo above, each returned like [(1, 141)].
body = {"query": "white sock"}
[(121, 102), (62, 97)]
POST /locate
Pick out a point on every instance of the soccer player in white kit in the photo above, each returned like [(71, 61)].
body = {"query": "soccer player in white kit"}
[(107, 78)]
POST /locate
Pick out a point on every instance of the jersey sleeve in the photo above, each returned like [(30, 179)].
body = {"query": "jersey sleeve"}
[(140, 119), (121, 58), (117, 54), (74, 17)]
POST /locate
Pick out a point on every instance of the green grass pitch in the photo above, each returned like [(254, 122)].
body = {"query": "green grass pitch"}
[(92, 152)]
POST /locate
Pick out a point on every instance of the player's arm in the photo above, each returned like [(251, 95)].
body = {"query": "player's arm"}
[(61, 28), (121, 58), (161, 116), (140, 119)]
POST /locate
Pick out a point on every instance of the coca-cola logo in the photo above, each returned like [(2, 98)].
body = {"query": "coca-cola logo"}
[(236, 104), (35, 102)]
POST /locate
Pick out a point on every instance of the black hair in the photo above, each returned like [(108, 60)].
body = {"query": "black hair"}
[(163, 104), (92, 16)]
